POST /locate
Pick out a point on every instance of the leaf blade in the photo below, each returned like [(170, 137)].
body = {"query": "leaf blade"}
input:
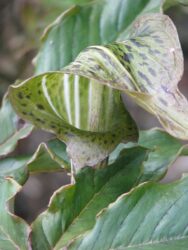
[(159, 234), (12, 228), (10, 132)]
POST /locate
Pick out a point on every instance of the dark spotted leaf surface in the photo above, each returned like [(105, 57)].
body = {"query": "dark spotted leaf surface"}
[(86, 104), (150, 217), (147, 67), (89, 117), (10, 130), (14, 232)]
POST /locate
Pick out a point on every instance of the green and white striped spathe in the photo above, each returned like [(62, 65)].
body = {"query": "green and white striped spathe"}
[(82, 102)]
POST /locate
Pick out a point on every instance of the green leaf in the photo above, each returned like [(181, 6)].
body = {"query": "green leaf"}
[(80, 27), (65, 3), (11, 132), (49, 157), (170, 3), (163, 150), (14, 167), (14, 232), (151, 216), (73, 208), (95, 189)]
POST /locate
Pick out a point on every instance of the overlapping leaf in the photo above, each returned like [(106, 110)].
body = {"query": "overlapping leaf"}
[(152, 216), (49, 157), (10, 130), (91, 124), (73, 208), (95, 189), (99, 23), (14, 232), (147, 66), (163, 150), (14, 167)]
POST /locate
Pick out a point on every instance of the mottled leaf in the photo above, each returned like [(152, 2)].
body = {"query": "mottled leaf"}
[(88, 99), (10, 129), (89, 117), (150, 217), (147, 67), (14, 232)]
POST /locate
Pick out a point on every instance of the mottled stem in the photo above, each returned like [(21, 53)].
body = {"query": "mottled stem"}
[(73, 172)]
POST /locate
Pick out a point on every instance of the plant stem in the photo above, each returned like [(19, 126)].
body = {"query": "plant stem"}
[(73, 171)]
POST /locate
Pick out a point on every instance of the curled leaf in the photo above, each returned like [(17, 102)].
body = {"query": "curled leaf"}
[(79, 102), (89, 117), (147, 67)]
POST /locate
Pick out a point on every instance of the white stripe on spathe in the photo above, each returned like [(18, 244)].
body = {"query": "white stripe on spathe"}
[(45, 91), (67, 97), (77, 101), (90, 104)]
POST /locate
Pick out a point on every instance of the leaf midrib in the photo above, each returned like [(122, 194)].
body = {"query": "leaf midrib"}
[(9, 238), (151, 243), (88, 203)]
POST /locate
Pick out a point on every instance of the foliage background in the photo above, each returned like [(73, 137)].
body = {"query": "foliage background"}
[(21, 25)]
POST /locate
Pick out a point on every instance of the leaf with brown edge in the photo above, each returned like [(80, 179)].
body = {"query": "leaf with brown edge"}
[(49, 157), (14, 232), (72, 209), (152, 216), (163, 150)]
